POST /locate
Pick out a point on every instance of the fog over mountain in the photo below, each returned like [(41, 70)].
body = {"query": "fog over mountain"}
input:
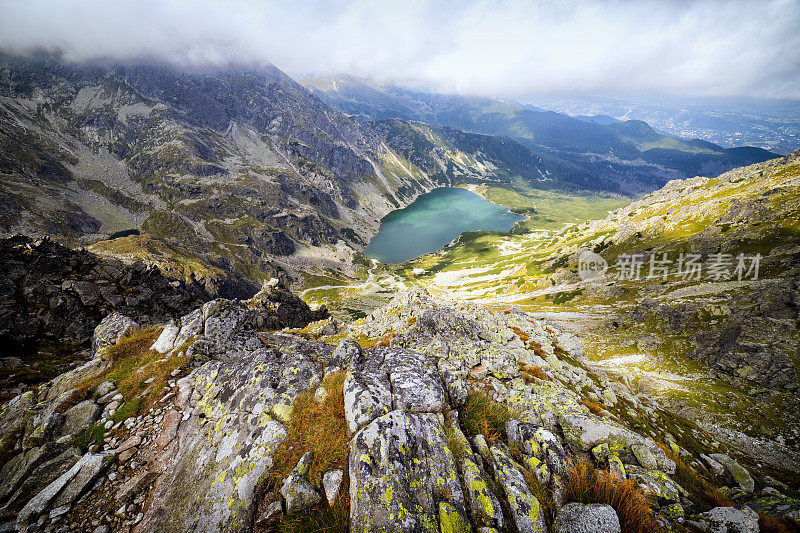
[(747, 48)]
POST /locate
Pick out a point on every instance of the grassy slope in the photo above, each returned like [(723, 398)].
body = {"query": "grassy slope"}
[(536, 272)]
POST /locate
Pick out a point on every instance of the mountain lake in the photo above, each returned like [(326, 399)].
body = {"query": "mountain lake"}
[(433, 220)]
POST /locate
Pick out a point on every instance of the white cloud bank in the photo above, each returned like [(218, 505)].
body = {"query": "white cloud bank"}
[(513, 48)]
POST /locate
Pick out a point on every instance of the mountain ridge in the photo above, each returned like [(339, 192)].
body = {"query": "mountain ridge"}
[(622, 147)]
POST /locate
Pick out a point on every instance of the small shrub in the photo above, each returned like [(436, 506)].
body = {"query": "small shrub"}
[(528, 372), (586, 485), (483, 416)]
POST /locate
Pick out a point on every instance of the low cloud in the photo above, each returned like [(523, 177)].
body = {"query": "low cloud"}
[(706, 47)]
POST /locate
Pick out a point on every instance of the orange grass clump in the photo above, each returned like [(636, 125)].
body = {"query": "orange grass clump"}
[(587, 485), (594, 407), (483, 416), (316, 426)]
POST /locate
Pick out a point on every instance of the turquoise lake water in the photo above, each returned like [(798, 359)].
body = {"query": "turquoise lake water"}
[(432, 221)]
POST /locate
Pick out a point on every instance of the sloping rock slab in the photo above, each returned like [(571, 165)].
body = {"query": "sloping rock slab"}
[(400, 469), (211, 468)]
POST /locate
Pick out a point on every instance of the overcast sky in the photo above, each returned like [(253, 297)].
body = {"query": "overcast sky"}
[(734, 48)]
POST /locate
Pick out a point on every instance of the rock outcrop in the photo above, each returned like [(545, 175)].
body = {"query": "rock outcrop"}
[(421, 455), (51, 292)]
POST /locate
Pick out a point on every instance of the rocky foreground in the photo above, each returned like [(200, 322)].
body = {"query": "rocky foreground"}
[(454, 417)]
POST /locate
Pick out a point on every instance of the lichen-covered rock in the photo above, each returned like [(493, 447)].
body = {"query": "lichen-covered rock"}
[(730, 520), (736, 472), (224, 446), (451, 521), (644, 456), (345, 354), (591, 518), (556, 460), (400, 470), (199, 459), (484, 507), (673, 513), (584, 432), (296, 490), (415, 382), (656, 483), (526, 512), (391, 379), (227, 325), (366, 397), (331, 483), (109, 331)]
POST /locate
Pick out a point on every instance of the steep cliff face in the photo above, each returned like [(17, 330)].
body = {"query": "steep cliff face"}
[(241, 168), (428, 415)]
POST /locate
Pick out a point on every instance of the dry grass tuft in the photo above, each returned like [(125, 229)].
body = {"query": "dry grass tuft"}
[(320, 518), (455, 444), (319, 427), (536, 348), (773, 524), (134, 364), (385, 340), (483, 416), (524, 337), (586, 485), (139, 373), (528, 372), (594, 407), (705, 495)]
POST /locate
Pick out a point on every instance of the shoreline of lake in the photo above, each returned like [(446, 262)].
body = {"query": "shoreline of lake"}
[(434, 220)]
